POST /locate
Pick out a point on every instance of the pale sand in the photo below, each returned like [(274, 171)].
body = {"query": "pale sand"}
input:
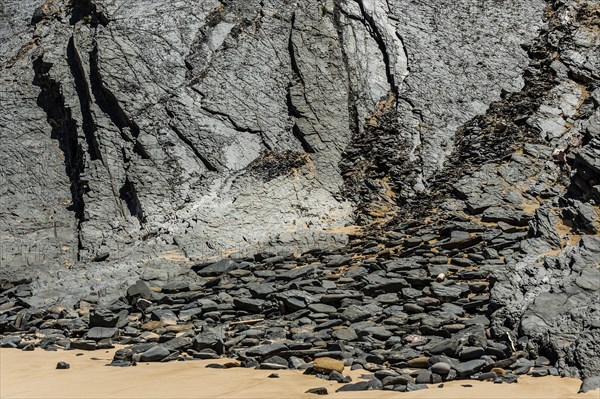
[(33, 375)]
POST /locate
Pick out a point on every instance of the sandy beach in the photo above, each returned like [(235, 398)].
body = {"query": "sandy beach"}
[(33, 375)]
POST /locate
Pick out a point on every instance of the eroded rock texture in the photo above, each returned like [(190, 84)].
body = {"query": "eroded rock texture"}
[(131, 131), (461, 137)]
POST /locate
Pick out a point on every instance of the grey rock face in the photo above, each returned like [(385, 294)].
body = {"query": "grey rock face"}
[(178, 131), (195, 173)]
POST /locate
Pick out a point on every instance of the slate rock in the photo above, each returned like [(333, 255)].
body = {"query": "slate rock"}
[(63, 366), (249, 304), (215, 269), (470, 353), (99, 333), (139, 290), (589, 384), (86, 345), (373, 384), (354, 313), (106, 318), (441, 368), (207, 340), (317, 391), (165, 316), (154, 354), (466, 369), (336, 376), (424, 377), (345, 334)]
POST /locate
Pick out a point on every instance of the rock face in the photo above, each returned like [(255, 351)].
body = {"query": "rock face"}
[(164, 132), (389, 184)]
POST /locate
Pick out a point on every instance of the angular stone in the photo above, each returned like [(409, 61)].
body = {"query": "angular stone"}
[(345, 334), (466, 369), (265, 350), (98, 333), (154, 354)]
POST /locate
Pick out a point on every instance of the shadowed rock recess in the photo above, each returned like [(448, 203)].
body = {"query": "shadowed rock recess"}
[(407, 187)]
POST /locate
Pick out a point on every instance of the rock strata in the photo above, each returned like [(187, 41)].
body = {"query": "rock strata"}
[(406, 195)]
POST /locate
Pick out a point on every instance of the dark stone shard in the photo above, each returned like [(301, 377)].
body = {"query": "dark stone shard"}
[(154, 354), (413, 308), (441, 368), (262, 290), (467, 369), (297, 273), (447, 347), (139, 290), (121, 363), (540, 372), (354, 313), (86, 345), (141, 347), (373, 384), (460, 242), (62, 366), (271, 366), (265, 350), (490, 375), (345, 334), (507, 215), (171, 357), (166, 316), (321, 308), (277, 360), (106, 318), (449, 292), (190, 314), (424, 377), (215, 366), (381, 284), (215, 269), (207, 340), (377, 332), (470, 353), (142, 304), (249, 304), (318, 391), (337, 376), (382, 374), (123, 354), (178, 343), (11, 341), (206, 354), (589, 384), (175, 287), (403, 379), (427, 302), (99, 333), (542, 361), (295, 299)]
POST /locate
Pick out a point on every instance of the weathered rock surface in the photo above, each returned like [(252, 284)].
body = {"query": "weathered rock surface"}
[(406, 188)]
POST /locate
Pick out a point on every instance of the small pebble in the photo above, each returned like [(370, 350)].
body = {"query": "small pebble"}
[(62, 366)]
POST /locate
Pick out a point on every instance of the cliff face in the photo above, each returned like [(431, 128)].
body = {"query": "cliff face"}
[(141, 136), (178, 129)]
